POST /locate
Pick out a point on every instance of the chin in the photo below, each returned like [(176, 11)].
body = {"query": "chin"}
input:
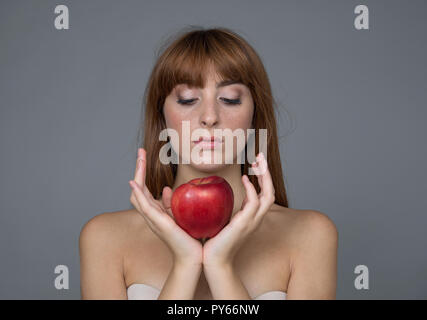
[(207, 164), (208, 168)]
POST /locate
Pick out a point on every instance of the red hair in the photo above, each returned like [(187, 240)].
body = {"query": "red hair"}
[(184, 59)]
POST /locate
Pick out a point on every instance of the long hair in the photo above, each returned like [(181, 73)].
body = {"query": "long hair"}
[(183, 59)]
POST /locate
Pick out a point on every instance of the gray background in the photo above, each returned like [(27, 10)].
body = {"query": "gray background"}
[(353, 126)]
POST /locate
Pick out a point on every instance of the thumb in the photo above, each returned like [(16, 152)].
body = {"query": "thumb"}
[(166, 198)]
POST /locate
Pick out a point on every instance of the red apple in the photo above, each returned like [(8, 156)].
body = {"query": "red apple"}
[(203, 206)]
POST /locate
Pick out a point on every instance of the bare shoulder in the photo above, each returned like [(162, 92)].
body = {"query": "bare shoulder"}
[(111, 230), (300, 227), (102, 243)]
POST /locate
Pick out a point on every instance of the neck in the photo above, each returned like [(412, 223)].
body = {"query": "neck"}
[(230, 172)]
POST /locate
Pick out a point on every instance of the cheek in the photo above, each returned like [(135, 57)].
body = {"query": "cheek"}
[(241, 119), (173, 119)]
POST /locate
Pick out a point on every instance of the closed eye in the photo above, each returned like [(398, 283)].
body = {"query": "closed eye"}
[(185, 102), (227, 101), (231, 101)]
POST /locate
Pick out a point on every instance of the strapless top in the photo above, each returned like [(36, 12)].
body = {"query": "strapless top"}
[(140, 291)]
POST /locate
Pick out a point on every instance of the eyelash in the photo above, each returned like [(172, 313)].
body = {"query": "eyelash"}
[(227, 101)]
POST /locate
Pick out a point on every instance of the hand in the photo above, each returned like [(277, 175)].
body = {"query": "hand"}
[(220, 250), (186, 250)]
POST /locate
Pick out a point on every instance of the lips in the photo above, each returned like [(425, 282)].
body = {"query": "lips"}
[(208, 139), (208, 142)]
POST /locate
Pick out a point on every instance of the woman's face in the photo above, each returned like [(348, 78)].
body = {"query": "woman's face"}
[(217, 106)]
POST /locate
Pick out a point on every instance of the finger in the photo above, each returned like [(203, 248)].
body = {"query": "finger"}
[(141, 167), (265, 181), (155, 203), (267, 195), (138, 163), (156, 219), (250, 202), (135, 203), (245, 200), (264, 207), (140, 174), (251, 194), (167, 197), (136, 166), (256, 168), (151, 212)]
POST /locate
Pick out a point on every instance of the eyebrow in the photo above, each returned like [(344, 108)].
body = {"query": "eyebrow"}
[(227, 83)]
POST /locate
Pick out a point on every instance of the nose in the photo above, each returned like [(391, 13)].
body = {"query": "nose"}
[(209, 116)]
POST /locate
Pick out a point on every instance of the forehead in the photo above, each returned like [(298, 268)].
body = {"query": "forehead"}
[(209, 76)]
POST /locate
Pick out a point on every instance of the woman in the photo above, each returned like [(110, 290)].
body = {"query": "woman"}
[(215, 80)]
